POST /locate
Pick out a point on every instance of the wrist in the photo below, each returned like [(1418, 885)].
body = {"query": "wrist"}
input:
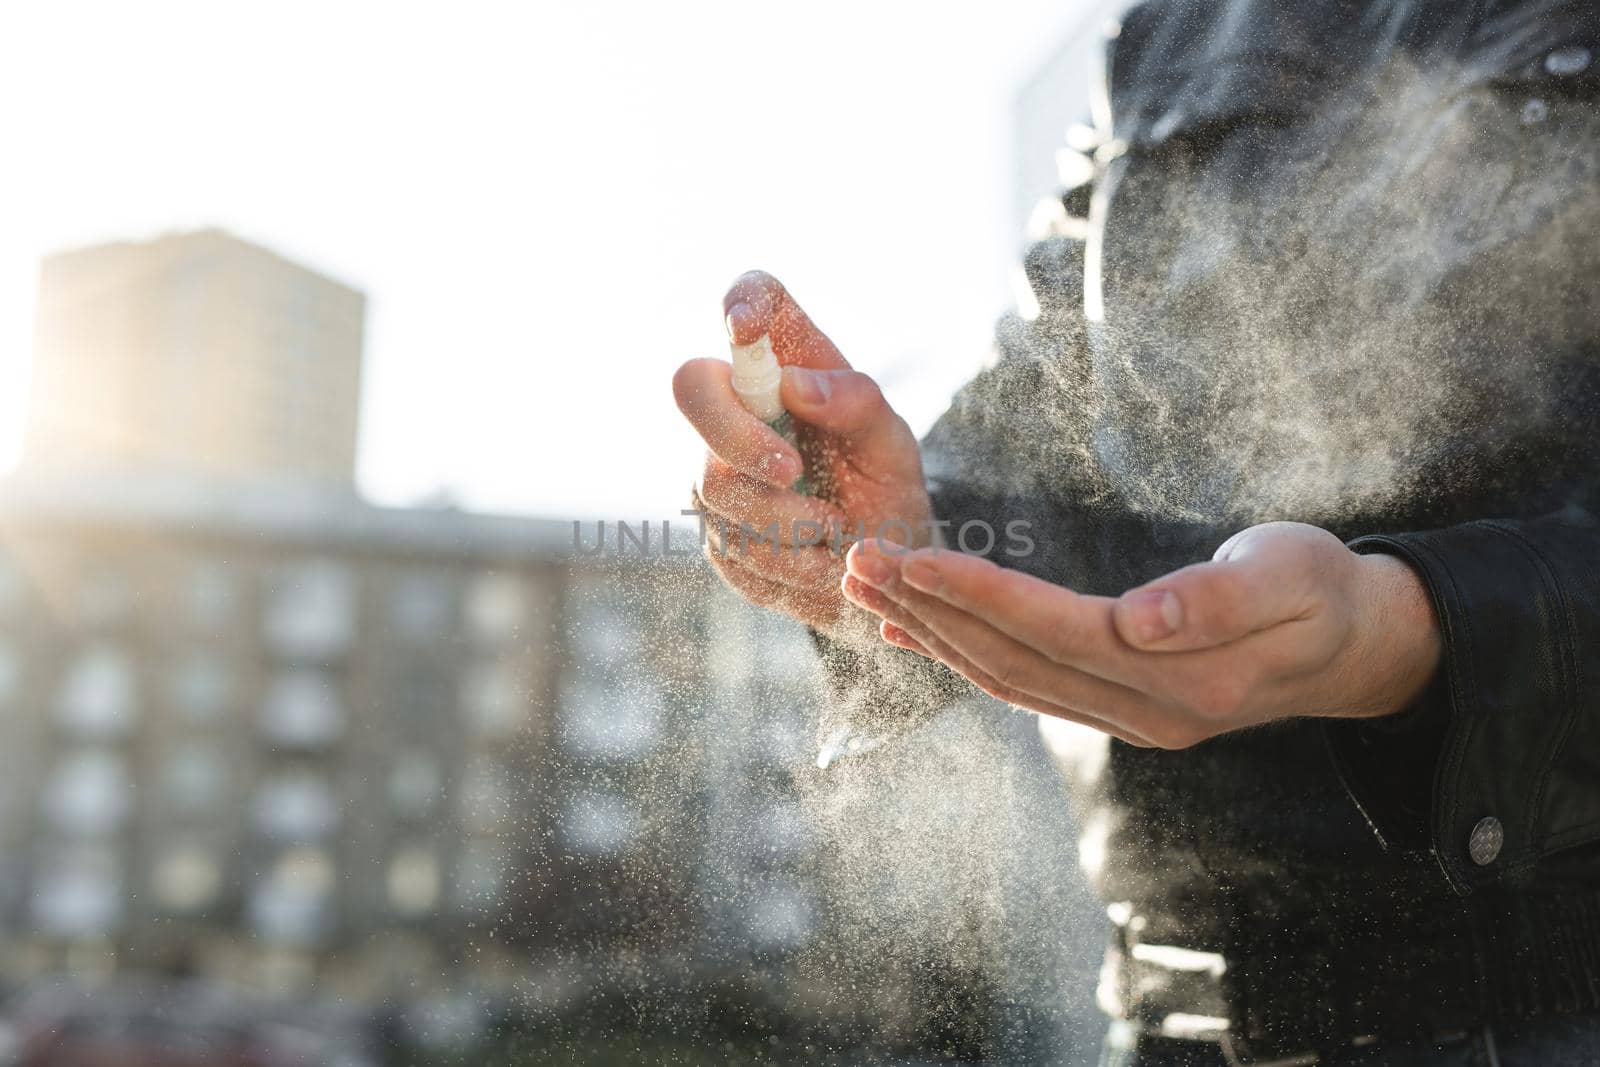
[(1400, 642)]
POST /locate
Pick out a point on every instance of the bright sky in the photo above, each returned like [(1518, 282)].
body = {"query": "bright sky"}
[(543, 202)]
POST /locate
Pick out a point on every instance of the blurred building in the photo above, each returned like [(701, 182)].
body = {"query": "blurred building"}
[(258, 728), (195, 352), (265, 736)]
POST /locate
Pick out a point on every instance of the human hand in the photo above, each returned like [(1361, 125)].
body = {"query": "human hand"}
[(1284, 621), (866, 456)]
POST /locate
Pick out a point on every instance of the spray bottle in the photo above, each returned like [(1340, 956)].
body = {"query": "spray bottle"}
[(756, 378)]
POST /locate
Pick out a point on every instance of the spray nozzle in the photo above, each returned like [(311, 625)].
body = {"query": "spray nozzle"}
[(756, 378)]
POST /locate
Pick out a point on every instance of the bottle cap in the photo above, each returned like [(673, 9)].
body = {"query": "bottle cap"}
[(756, 377)]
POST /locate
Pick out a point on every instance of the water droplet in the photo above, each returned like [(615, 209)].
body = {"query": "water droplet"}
[(1565, 62)]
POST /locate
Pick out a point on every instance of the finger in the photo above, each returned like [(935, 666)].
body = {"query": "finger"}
[(1068, 628), (757, 303), (1021, 668), (845, 403), (895, 612), (788, 517), (703, 389), (796, 566), (899, 638), (865, 596), (1263, 582), (865, 439), (818, 606), (1224, 685)]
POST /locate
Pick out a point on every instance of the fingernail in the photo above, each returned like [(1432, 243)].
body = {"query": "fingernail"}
[(872, 569), (923, 575), (1154, 615), (809, 386), (738, 321)]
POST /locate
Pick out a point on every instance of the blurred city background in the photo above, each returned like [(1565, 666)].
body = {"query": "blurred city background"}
[(327, 339)]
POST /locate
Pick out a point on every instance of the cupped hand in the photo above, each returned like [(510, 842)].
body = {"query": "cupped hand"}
[(1284, 621), (863, 455)]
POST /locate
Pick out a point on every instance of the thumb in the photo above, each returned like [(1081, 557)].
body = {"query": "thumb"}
[(845, 403), (1259, 584)]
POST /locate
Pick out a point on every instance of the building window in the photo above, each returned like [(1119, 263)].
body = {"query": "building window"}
[(209, 595), (604, 637), (98, 698), (292, 905), (201, 687), (297, 807), (600, 824), (480, 874), (311, 611), (89, 793), (493, 698), (485, 795), (413, 881), (104, 599), (78, 893), (603, 722), (196, 778), (422, 607), (186, 879), (497, 607), (414, 785), (303, 710)]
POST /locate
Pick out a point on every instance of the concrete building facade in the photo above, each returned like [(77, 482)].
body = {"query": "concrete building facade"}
[(195, 352)]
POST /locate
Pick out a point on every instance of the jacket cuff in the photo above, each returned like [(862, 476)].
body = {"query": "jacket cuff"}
[(1388, 766), (1480, 738)]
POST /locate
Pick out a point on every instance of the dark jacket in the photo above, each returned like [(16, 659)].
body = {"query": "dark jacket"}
[(1339, 263)]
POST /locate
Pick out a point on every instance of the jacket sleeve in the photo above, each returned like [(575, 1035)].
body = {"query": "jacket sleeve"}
[(1511, 725)]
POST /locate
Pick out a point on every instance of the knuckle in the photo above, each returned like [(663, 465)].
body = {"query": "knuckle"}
[(871, 393), (728, 492)]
